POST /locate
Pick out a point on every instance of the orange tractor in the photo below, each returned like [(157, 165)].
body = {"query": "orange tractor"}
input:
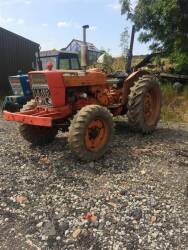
[(84, 102)]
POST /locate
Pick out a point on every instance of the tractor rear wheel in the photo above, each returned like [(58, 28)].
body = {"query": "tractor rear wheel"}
[(91, 132), (38, 135), (29, 105), (144, 104)]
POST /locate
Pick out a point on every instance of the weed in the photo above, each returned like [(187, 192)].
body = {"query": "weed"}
[(174, 104)]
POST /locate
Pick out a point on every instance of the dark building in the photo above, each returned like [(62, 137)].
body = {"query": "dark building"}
[(93, 52), (16, 53)]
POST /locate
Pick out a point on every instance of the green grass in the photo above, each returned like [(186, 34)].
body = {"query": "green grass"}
[(185, 92), (174, 104), (168, 90)]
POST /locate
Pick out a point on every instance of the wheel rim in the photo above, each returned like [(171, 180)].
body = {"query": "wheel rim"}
[(151, 106), (148, 106), (96, 135)]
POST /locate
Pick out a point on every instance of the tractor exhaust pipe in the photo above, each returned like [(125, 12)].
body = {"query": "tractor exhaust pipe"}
[(84, 49)]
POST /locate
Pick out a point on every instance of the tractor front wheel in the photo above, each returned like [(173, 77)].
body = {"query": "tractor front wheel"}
[(91, 132), (144, 104), (10, 107), (37, 135)]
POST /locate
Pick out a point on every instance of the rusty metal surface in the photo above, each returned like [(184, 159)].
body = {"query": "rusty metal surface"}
[(41, 116), (174, 76)]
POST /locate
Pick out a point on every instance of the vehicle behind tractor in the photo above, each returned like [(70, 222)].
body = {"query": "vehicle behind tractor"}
[(84, 102), (21, 93), (59, 59), (21, 86)]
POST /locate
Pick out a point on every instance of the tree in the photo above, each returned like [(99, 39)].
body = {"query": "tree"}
[(118, 64), (165, 24), (124, 42)]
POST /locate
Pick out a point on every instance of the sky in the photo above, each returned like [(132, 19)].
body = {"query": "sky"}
[(54, 23)]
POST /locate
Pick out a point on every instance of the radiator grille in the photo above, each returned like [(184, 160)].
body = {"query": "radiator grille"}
[(42, 95), (16, 85), (17, 89)]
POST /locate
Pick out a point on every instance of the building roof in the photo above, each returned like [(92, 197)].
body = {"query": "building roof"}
[(18, 36), (91, 46)]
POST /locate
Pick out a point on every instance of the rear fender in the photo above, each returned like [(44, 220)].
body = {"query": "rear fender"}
[(129, 82)]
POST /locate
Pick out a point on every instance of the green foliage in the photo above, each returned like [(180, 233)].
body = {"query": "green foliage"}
[(174, 106), (168, 90), (180, 61), (163, 22), (185, 92), (118, 64), (126, 7)]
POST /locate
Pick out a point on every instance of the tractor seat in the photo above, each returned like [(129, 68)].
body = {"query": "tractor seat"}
[(119, 75), (117, 79), (115, 82)]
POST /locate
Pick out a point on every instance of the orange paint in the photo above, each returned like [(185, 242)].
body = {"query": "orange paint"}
[(96, 135)]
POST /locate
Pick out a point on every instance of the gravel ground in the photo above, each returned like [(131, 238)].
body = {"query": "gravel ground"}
[(135, 197)]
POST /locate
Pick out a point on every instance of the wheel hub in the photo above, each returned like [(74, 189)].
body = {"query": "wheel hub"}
[(94, 132), (96, 135)]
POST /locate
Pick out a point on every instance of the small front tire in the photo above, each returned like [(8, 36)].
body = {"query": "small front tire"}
[(37, 135), (10, 107), (91, 132)]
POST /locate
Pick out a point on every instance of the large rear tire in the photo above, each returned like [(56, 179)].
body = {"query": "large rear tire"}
[(144, 105), (37, 135), (91, 132)]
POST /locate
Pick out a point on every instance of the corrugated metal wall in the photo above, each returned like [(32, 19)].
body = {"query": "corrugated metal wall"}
[(16, 53)]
